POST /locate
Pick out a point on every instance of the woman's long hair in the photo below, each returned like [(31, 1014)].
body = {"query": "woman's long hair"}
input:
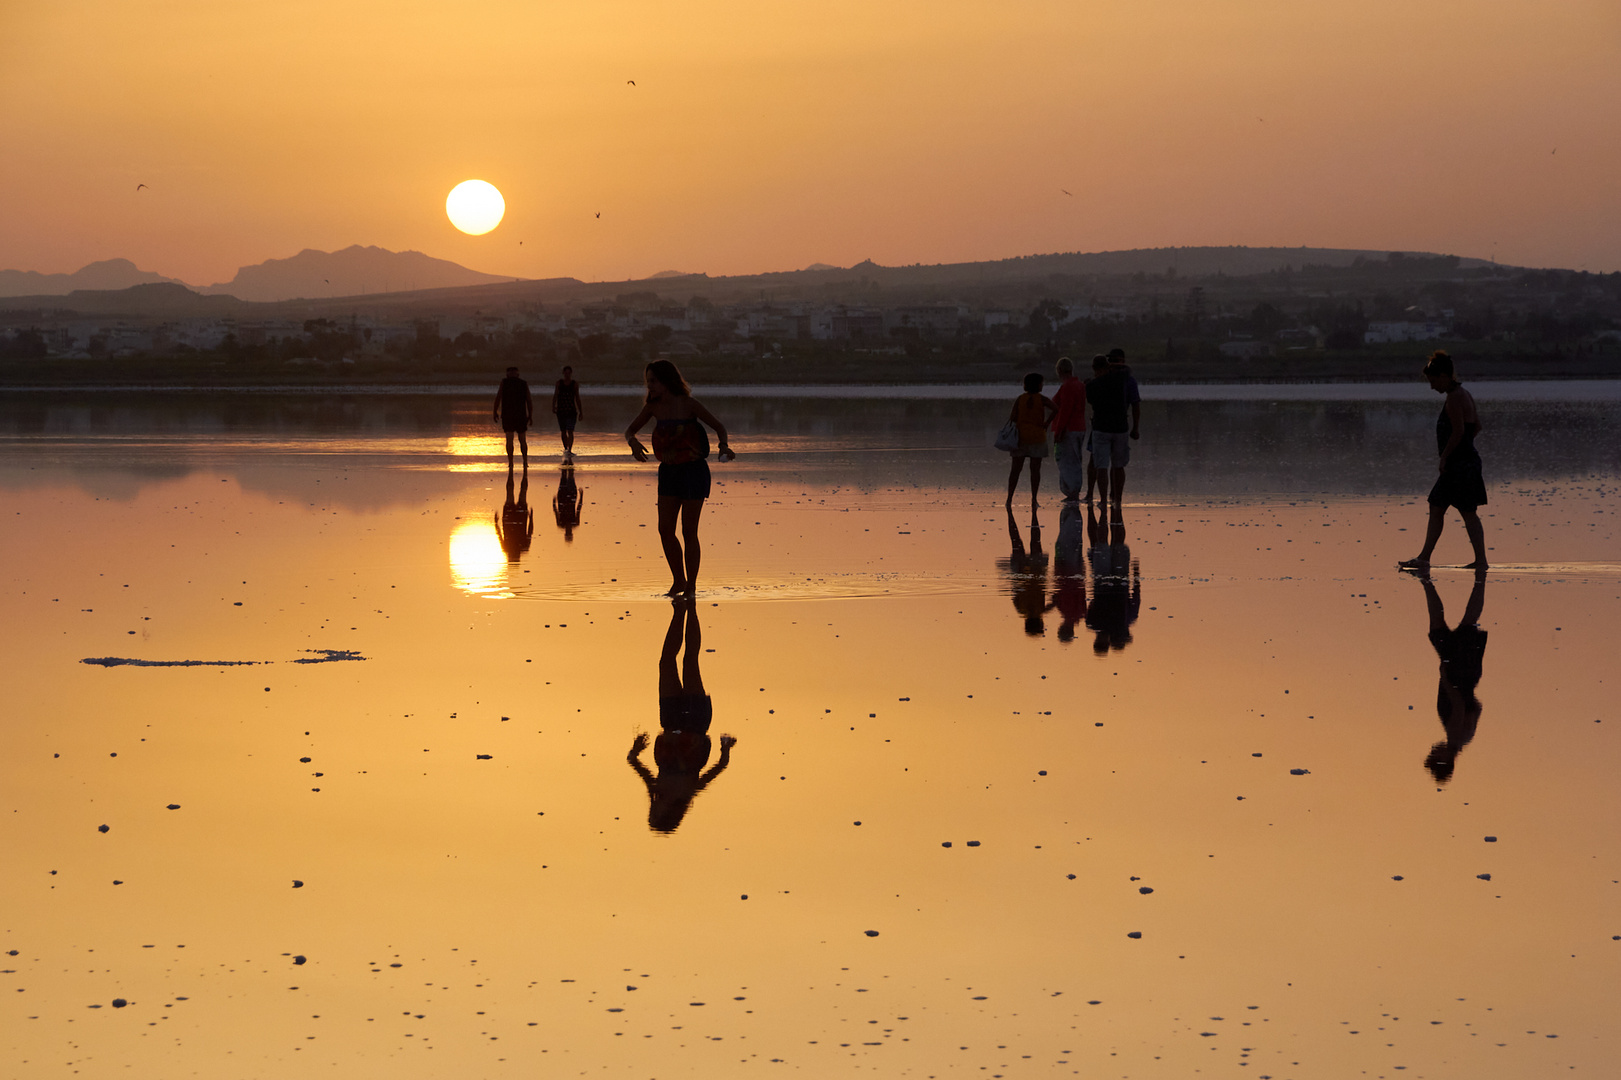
[(669, 376)]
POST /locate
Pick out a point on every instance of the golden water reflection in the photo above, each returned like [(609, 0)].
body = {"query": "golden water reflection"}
[(478, 564)]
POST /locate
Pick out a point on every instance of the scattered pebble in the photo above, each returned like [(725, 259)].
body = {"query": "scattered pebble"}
[(119, 1003), (173, 806), (1491, 839), (485, 757), (103, 828), (297, 884), (300, 959), (1484, 877), (973, 843), (1135, 934), (1299, 772), (870, 933), (1145, 890)]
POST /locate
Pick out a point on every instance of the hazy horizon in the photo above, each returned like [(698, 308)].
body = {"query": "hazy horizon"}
[(755, 138)]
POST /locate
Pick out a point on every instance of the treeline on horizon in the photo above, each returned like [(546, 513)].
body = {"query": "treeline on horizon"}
[(1309, 321)]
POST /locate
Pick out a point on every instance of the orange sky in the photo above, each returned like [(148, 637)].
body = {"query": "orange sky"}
[(769, 136)]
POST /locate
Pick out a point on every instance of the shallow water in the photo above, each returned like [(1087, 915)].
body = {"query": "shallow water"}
[(368, 806)]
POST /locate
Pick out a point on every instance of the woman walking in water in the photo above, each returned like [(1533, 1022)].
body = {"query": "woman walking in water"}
[(1460, 483), (681, 445)]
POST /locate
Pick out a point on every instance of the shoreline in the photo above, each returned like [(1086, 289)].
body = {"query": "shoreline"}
[(1303, 389)]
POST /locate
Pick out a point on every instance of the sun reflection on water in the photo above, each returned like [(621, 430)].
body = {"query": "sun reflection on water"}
[(478, 566)]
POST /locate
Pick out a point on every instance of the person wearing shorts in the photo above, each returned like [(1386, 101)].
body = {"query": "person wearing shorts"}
[(566, 407), (1032, 412), (681, 445), (1116, 413), (1461, 483), (515, 411)]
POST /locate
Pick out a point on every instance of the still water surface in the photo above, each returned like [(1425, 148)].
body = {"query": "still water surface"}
[(1209, 789)]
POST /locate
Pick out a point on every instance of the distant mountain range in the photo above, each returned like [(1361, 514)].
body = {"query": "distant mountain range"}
[(354, 271), (108, 274)]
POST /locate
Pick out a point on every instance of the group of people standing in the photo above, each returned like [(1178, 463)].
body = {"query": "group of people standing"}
[(1090, 458)]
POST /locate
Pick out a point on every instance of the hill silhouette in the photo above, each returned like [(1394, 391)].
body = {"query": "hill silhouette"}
[(354, 271), (104, 275)]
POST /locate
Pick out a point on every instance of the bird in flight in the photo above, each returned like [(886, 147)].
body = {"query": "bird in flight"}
[(631, 82), (1067, 192), (138, 187), (599, 213)]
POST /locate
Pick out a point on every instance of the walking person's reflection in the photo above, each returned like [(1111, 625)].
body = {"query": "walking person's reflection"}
[(515, 524), (1462, 651), (567, 503), (681, 749), (1117, 583), (1026, 569), (1069, 571)]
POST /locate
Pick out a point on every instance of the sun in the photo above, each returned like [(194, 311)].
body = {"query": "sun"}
[(475, 207)]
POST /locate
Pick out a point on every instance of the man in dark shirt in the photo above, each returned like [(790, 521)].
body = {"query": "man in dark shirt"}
[(515, 411), (1116, 411), (566, 407)]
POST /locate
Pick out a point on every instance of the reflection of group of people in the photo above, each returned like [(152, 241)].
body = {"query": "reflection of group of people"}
[(1116, 587), (1090, 457)]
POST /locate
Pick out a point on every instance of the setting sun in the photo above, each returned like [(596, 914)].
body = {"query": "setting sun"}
[(475, 207)]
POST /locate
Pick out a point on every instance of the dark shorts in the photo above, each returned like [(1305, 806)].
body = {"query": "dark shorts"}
[(565, 420), (688, 480), (518, 425), (688, 713), (1463, 487)]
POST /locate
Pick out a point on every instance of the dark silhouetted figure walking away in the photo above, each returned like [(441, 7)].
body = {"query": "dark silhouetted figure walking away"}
[(566, 407), (1461, 483), (682, 748), (515, 411), (1462, 651), (681, 446), (515, 524)]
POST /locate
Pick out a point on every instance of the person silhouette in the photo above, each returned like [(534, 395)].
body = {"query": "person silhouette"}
[(515, 524), (567, 503), (682, 748), (1117, 583), (515, 410), (1069, 571), (1462, 651), (1026, 571)]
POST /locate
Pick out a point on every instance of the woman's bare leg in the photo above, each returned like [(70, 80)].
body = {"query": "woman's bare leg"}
[(669, 511), (1035, 480), (691, 509), (1477, 537), (1438, 520), (1013, 477)]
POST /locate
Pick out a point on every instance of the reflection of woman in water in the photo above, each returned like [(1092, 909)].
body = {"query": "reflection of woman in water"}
[(1460, 483), (1462, 652), (515, 525), (1027, 576), (566, 503), (682, 748), (681, 445)]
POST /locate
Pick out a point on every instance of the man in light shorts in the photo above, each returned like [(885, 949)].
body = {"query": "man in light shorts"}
[(1116, 413)]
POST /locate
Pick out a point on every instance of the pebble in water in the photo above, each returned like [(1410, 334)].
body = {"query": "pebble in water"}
[(1491, 839), (1299, 772), (173, 806), (119, 1003), (973, 843), (297, 884), (1135, 934), (1484, 877), (485, 757), (103, 828), (870, 933), (1145, 890)]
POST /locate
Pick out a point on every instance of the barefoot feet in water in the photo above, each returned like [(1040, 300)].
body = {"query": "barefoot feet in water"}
[(1419, 565)]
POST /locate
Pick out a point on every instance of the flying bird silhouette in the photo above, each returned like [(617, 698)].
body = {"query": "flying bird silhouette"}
[(632, 82), (138, 187), (599, 213), (1066, 192)]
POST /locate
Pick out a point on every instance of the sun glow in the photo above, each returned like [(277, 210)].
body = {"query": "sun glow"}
[(478, 566), (475, 207)]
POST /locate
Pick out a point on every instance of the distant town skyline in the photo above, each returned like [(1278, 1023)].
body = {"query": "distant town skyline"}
[(727, 138)]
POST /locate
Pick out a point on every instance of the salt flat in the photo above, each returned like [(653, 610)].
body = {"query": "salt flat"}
[(1135, 798)]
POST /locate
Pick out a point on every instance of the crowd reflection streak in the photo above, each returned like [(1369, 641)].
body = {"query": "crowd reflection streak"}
[(682, 748), (1069, 571), (1026, 571), (1462, 651), (1117, 583)]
